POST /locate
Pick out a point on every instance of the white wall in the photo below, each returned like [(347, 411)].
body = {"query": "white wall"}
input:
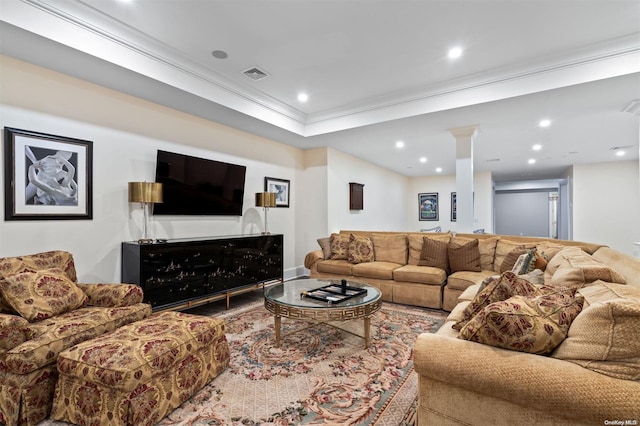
[(385, 194), (444, 186), (606, 204), (126, 133)]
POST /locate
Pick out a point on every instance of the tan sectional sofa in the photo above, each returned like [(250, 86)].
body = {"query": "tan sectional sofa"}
[(396, 273), (43, 311), (591, 378)]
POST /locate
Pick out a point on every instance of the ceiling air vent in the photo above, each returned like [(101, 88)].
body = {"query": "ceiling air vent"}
[(255, 73)]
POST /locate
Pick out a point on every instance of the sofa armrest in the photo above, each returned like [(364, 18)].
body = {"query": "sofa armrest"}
[(312, 258), (14, 331), (112, 295), (547, 384)]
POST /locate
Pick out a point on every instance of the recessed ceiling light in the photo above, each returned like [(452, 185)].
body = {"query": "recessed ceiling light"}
[(531, 161), (544, 123), (455, 52), (423, 159), (303, 97), (439, 170), (399, 144), (537, 147), (220, 54), (620, 153)]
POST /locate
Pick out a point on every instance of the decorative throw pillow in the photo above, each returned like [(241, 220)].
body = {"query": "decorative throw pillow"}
[(325, 245), (390, 248), (360, 249), (540, 262), (339, 246), (535, 324), (42, 294), (503, 248), (487, 249), (496, 290), (511, 258), (434, 253), (525, 263), (416, 242), (604, 337), (463, 255)]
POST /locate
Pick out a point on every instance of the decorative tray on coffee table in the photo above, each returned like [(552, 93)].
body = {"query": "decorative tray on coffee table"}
[(334, 293)]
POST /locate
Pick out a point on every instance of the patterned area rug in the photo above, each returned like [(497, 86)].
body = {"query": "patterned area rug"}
[(317, 376)]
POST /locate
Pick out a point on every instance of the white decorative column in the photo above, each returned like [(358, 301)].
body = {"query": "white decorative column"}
[(464, 177)]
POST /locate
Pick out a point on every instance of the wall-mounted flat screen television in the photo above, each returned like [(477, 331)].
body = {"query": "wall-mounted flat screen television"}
[(197, 186)]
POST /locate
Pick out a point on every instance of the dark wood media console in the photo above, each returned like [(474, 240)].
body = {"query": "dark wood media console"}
[(183, 273)]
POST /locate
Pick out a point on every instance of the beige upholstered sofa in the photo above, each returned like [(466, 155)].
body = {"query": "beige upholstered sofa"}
[(591, 378), (43, 311), (394, 266)]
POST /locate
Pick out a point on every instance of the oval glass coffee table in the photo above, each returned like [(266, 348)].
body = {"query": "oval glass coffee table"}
[(290, 300)]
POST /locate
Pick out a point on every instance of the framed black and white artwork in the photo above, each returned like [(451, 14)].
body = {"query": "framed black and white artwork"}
[(47, 176), (280, 187)]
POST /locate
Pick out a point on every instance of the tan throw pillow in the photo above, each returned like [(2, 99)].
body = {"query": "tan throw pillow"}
[(463, 255), (42, 294), (434, 253), (360, 249), (524, 323), (339, 246), (416, 241), (503, 248), (496, 289), (390, 248), (325, 245), (604, 337), (487, 249)]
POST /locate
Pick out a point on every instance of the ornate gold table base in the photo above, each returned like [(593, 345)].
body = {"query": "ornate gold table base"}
[(323, 315)]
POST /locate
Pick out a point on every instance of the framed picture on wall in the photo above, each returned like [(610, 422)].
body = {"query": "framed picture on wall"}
[(280, 187), (454, 207), (47, 176), (428, 206)]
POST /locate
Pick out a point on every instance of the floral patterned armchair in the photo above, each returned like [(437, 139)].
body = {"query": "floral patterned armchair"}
[(43, 311)]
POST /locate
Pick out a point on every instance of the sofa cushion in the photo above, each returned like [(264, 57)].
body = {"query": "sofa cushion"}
[(435, 254), (573, 267), (533, 324), (338, 267), (416, 242), (464, 279), (339, 246), (379, 270), (497, 289), (51, 336), (325, 245), (546, 250), (464, 255), (604, 337), (360, 249), (503, 248), (419, 274), (390, 248), (41, 294)]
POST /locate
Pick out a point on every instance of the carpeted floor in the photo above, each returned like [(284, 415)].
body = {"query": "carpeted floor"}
[(318, 376)]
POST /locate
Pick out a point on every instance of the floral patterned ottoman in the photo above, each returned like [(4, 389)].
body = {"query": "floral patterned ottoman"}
[(140, 372)]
